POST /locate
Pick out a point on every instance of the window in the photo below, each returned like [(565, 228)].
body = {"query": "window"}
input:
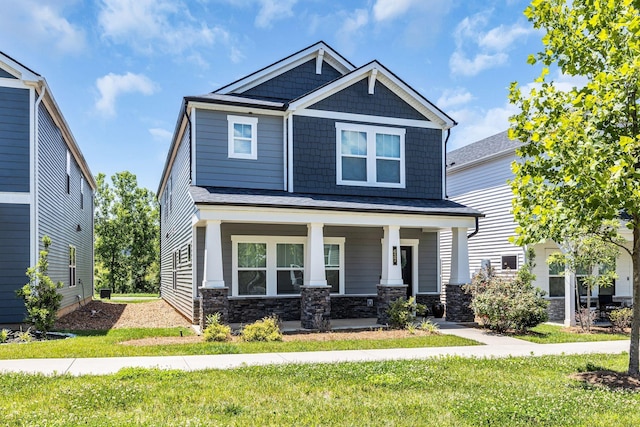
[(174, 269), (370, 155), (68, 172), (82, 193), (189, 252), (556, 279), (510, 262), (274, 265), (243, 137), (72, 266)]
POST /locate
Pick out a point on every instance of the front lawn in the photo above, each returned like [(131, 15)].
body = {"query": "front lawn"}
[(438, 392), (552, 334), (107, 344)]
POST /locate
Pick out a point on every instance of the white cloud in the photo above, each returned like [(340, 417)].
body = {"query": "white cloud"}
[(41, 25), (454, 97), (152, 26), (160, 134), (350, 31), (478, 124), (479, 49), (389, 9), (272, 10), (112, 86)]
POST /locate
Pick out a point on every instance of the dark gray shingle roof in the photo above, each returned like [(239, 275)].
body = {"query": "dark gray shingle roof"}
[(283, 199), (237, 100), (484, 148)]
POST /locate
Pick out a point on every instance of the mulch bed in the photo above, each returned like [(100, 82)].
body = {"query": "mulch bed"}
[(609, 379)]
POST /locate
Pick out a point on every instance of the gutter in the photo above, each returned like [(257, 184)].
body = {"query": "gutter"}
[(476, 230), (36, 169), (446, 196)]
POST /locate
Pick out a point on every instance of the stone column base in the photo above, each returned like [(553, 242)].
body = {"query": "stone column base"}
[(213, 300), (315, 307), (457, 305), (386, 295)]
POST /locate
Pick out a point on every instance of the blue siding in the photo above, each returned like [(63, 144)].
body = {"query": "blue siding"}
[(356, 99), (214, 168), (295, 82), (176, 232), (314, 162), (59, 213), (14, 140), (14, 260), (6, 75)]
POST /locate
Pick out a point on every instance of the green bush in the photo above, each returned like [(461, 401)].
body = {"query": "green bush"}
[(402, 312), (40, 295), (428, 326), (621, 318), (216, 331), (503, 304), (266, 329), (4, 336)]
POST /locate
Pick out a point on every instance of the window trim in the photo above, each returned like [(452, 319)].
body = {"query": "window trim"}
[(81, 193), (509, 255), (68, 172), (73, 263), (243, 120), (371, 157), (271, 264)]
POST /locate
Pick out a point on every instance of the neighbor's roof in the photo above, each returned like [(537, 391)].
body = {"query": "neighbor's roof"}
[(283, 199), (481, 150)]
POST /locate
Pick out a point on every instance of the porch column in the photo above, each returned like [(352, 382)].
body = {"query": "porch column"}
[(315, 295), (457, 301), (214, 295), (569, 298), (391, 285)]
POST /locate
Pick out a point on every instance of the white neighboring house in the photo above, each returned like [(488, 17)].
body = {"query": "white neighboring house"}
[(477, 176)]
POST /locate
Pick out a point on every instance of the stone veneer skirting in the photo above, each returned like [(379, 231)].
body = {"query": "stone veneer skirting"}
[(457, 305), (315, 307), (248, 310), (386, 295), (428, 300), (556, 309), (213, 300), (353, 307)]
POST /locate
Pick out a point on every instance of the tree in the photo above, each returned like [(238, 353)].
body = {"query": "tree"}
[(579, 167), (127, 234), (41, 297)]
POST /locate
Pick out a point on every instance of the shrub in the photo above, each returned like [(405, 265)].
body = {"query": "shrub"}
[(41, 297), (402, 312), (503, 304), (430, 327), (216, 331), (266, 329), (621, 318), (4, 336)]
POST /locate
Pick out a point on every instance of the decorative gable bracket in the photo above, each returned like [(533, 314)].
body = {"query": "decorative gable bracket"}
[(319, 60), (372, 80)]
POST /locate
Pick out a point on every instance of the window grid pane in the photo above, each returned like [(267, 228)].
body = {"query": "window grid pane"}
[(388, 145), (354, 143), (388, 171), (252, 255)]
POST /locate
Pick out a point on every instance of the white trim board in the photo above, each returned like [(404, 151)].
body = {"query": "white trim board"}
[(325, 114), (15, 198)]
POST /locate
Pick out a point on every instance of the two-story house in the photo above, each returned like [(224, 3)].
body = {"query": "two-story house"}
[(477, 175), (46, 188), (311, 189)]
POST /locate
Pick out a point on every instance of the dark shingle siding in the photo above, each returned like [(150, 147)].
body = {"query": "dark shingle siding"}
[(5, 75), (14, 139), (14, 260), (294, 83), (486, 147)]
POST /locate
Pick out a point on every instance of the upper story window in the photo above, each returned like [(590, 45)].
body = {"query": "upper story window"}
[(72, 265), (68, 172), (243, 137), (81, 193), (370, 155)]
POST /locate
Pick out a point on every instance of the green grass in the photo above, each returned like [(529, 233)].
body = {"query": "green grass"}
[(551, 334), (439, 392), (106, 344)]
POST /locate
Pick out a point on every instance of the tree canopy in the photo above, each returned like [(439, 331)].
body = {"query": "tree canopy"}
[(127, 235), (579, 168)]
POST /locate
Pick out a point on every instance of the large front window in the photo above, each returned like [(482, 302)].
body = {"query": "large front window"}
[(370, 155), (274, 265)]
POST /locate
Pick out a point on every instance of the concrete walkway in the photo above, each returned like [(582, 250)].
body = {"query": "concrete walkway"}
[(495, 346)]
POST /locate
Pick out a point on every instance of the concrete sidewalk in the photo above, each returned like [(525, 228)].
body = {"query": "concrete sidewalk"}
[(495, 346)]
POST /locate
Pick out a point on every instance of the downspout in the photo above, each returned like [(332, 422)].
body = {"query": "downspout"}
[(446, 196), (36, 152), (476, 230)]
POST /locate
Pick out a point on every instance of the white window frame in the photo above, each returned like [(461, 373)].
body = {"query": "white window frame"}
[(548, 253), (68, 172), (272, 261), (82, 193), (243, 120), (73, 266), (371, 157)]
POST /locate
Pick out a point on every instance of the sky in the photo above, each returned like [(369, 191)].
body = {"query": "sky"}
[(119, 69)]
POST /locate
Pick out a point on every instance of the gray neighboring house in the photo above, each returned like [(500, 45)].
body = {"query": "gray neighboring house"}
[(311, 189), (46, 188)]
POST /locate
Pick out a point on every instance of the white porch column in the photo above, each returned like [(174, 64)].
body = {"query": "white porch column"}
[(213, 277), (391, 263), (314, 274), (459, 257), (569, 298)]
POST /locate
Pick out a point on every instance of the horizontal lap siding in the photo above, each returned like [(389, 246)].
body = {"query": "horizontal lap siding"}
[(59, 213), (215, 168), (14, 260), (14, 140), (176, 233)]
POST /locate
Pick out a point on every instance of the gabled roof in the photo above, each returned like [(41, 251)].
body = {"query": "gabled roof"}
[(320, 49), (376, 71), (484, 149), (39, 83)]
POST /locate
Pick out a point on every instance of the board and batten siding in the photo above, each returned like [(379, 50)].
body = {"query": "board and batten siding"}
[(176, 232), (14, 260), (59, 214), (214, 167), (14, 139)]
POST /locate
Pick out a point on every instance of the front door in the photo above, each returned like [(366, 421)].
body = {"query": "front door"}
[(406, 259)]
